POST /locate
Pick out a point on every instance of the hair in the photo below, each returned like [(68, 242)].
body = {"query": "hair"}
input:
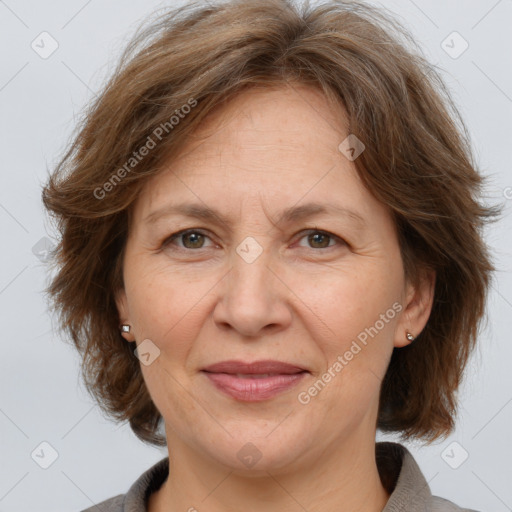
[(417, 161)]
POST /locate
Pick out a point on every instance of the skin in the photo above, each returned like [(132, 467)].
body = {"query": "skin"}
[(303, 300)]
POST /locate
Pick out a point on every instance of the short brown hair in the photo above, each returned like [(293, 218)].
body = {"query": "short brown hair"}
[(417, 160)]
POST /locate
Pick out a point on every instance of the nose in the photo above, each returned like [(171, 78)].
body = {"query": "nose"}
[(254, 301)]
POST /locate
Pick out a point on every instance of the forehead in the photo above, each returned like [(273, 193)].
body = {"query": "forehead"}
[(275, 146), (288, 115)]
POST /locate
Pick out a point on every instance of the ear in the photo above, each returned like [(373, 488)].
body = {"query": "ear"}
[(417, 308), (124, 318)]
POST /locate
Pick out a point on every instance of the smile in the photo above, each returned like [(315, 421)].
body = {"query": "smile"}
[(253, 387)]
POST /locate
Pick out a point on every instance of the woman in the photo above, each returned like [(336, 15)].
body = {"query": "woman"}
[(271, 247)]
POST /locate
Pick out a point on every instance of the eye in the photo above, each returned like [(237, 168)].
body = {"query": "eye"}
[(195, 239), (191, 239), (320, 239)]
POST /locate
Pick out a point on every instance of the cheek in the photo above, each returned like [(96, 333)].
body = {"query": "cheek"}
[(166, 306), (346, 302), (355, 335)]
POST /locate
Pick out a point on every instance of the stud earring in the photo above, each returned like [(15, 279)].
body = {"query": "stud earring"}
[(409, 336), (125, 328)]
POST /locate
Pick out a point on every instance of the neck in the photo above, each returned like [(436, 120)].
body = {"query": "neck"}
[(344, 477)]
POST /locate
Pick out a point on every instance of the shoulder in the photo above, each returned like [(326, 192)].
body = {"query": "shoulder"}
[(114, 504), (443, 505), (136, 498), (402, 477)]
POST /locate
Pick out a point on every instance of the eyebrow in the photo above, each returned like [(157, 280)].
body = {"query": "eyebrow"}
[(288, 216)]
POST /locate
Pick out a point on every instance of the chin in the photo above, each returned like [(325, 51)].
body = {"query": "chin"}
[(256, 452)]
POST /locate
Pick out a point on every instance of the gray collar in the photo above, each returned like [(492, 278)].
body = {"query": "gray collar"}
[(399, 472)]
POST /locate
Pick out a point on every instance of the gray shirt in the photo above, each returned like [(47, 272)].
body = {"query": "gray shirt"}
[(399, 473)]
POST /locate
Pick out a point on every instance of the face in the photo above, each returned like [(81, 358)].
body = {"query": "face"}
[(320, 288)]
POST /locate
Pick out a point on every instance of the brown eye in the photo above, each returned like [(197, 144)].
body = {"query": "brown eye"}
[(196, 240), (321, 240), (190, 239)]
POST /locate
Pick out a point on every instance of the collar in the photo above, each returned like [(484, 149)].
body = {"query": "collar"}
[(399, 473)]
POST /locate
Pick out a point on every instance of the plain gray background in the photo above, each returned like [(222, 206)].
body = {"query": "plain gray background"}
[(41, 397)]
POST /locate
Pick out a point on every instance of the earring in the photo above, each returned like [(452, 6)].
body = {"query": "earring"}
[(409, 336), (125, 328)]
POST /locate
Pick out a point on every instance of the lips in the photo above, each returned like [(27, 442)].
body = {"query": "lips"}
[(254, 368), (253, 382)]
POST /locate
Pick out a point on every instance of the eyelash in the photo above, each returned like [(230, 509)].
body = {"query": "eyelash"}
[(183, 232)]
